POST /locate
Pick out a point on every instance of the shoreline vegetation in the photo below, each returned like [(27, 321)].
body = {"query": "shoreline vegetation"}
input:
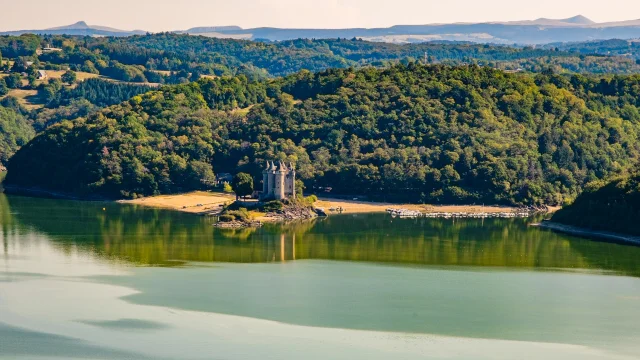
[(217, 204), (590, 233)]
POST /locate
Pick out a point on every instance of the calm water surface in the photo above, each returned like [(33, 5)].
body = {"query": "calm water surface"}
[(109, 281)]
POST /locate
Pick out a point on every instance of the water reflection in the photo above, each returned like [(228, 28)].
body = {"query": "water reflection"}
[(162, 238)]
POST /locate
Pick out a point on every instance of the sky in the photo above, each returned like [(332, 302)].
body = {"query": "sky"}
[(165, 15)]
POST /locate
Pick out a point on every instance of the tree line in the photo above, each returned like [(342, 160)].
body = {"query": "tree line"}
[(612, 206), (178, 58)]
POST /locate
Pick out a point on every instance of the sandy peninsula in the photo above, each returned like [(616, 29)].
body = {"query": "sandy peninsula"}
[(201, 202)]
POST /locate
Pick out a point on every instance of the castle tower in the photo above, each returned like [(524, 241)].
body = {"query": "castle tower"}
[(290, 182), (265, 180), (272, 180), (280, 175)]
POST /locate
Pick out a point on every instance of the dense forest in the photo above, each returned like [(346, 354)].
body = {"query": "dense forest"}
[(618, 47), (173, 58), (613, 206), (463, 134), (15, 132), (63, 102)]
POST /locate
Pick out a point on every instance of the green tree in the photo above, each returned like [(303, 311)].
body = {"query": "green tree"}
[(13, 81), (89, 67), (242, 184), (15, 132), (32, 81), (69, 77), (299, 188), (4, 90), (200, 174)]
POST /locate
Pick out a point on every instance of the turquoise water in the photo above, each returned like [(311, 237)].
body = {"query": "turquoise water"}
[(103, 281)]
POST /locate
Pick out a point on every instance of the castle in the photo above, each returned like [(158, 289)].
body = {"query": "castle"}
[(278, 181)]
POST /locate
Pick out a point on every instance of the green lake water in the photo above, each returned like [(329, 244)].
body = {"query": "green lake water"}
[(109, 281)]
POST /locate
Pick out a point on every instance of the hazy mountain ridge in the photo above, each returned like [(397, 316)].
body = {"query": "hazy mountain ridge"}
[(539, 31), (573, 21), (80, 28)]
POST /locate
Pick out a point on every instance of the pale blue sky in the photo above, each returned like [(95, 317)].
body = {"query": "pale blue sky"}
[(160, 15)]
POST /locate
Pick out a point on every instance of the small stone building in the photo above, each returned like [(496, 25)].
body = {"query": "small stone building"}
[(278, 181)]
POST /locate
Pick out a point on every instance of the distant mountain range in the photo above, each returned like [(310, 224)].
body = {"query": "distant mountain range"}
[(540, 31), (80, 28)]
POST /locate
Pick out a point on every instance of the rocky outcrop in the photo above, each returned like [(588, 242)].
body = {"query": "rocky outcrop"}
[(293, 212)]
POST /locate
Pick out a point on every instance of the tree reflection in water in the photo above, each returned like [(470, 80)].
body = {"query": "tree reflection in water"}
[(152, 237)]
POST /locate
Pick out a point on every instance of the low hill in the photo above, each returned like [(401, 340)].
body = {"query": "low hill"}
[(80, 28), (613, 207), (578, 20), (406, 133), (573, 21)]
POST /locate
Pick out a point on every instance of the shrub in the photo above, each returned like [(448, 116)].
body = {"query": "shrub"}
[(274, 205), (227, 218), (239, 215)]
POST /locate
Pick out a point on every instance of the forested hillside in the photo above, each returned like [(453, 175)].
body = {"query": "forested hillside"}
[(15, 132), (613, 206), (407, 133), (629, 48), (173, 58)]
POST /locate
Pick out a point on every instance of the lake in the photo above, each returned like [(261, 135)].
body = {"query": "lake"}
[(90, 280)]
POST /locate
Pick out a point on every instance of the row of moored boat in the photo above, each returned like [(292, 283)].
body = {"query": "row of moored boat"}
[(406, 213)]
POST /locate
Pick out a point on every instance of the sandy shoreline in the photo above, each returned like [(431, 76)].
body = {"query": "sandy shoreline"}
[(198, 202), (355, 206), (201, 202)]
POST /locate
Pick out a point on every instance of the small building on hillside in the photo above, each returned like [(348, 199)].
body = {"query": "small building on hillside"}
[(223, 178), (278, 181), (47, 49), (41, 75)]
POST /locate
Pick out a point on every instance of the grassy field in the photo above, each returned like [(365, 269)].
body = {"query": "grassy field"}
[(27, 98), (81, 76), (162, 72), (242, 112)]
